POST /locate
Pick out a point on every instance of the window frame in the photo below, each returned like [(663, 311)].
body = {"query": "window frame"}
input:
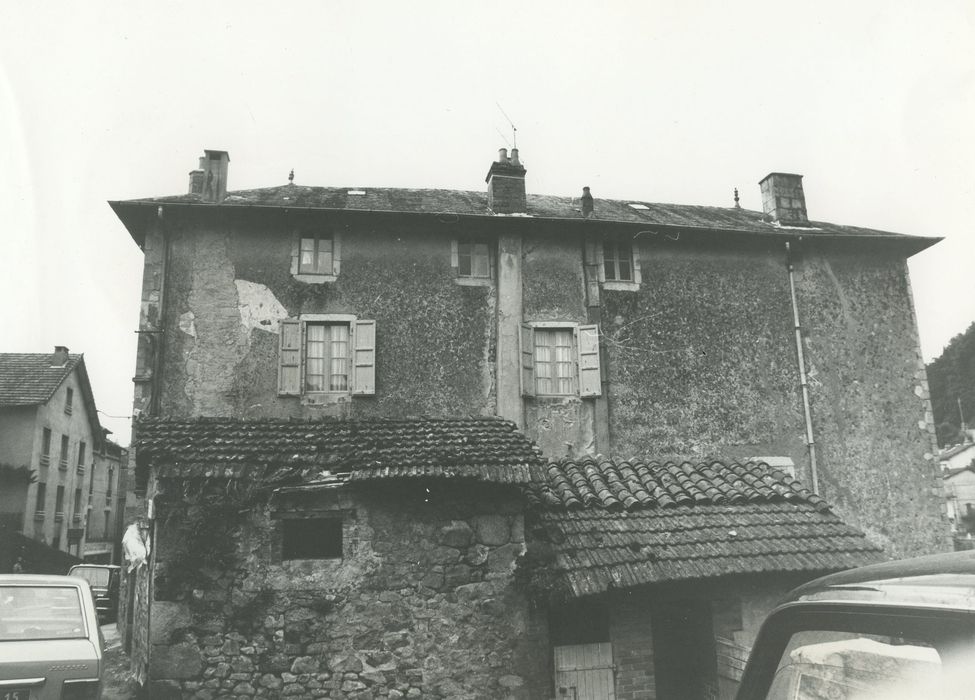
[(316, 234), (68, 401), (40, 499), (65, 448), (46, 438), (293, 358), (615, 284), (587, 375), (489, 258)]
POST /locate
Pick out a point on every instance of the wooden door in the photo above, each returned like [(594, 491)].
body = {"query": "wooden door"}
[(585, 672)]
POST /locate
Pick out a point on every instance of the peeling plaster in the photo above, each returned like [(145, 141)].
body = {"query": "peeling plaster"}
[(187, 325), (258, 306)]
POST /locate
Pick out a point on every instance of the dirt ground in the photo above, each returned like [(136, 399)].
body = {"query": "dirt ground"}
[(116, 684)]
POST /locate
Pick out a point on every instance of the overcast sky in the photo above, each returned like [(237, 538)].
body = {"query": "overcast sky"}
[(667, 101)]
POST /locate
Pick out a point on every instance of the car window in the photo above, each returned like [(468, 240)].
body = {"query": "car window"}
[(40, 612), (94, 576), (820, 664)]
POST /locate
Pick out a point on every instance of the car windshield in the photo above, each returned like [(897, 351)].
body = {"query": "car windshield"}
[(35, 612), (849, 666), (95, 576)]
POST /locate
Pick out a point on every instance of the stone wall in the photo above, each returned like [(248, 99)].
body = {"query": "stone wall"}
[(421, 605)]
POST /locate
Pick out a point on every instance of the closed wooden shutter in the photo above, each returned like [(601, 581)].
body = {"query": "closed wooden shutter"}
[(590, 383), (289, 358), (585, 672), (527, 361), (364, 358)]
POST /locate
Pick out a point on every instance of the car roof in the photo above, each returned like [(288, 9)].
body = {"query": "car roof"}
[(937, 580), (41, 580)]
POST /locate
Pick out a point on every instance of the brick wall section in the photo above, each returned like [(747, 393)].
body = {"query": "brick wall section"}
[(421, 606), (632, 650)]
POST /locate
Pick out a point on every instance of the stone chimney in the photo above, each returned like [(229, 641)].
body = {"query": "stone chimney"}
[(60, 356), (196, 178), (783, 199), (506, 184), (214, 165)]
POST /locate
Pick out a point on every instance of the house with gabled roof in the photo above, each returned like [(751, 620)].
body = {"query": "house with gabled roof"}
[(49, 438), (659, 334)]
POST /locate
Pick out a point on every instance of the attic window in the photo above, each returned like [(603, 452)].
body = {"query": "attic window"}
[(635, 205), (312, 538)]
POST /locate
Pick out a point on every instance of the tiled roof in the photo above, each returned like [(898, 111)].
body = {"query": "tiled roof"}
[(28, 379), (619, 524), (472, 203), (488, 449)]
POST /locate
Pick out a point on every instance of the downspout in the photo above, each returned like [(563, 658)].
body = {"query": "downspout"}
[(803, 379)]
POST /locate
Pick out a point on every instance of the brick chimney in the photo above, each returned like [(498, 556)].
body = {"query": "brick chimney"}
[(214, 165), (506, 184), (783, 199), (60, 356)]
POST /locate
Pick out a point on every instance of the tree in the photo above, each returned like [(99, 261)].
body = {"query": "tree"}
[(951, 378)]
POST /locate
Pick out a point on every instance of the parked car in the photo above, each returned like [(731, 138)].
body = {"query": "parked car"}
[(104, 582), (897, 630), (50, 642)]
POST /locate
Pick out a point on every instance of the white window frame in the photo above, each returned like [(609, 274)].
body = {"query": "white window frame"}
[(587, 379), (472, 279), (317, 234), (292, 360), (619, 285)]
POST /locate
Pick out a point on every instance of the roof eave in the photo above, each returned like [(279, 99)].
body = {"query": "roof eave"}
[(135, 214)]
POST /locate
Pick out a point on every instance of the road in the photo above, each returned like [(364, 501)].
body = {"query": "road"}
[(116, 684)]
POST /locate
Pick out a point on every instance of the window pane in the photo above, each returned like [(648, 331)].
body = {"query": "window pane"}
[(481, 260), (339, 357), (564, 362), (315, 357), (625, 273), (609, 269)]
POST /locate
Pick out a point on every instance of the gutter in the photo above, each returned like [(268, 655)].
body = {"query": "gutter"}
[(803, 377)]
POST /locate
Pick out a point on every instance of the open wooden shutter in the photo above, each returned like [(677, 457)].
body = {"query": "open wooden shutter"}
[(527, 361), (364, 358), (289, 357), (590, 383)]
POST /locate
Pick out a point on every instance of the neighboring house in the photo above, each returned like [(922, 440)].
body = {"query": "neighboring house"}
[(106, 499), (957, 456), (678, 335), (50, 439), (960, 493)]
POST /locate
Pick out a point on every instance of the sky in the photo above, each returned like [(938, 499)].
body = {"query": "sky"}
[(678, 101)]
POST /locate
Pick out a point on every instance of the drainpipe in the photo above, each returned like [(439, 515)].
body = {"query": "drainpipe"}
[(803, 379)]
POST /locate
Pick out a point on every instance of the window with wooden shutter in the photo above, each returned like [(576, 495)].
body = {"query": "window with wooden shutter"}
[(590, 383), (527, 361), (364, 358), (289, 358)]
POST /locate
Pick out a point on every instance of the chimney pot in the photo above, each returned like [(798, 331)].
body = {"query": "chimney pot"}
[(60, 357), (506, 184), (783, 199)]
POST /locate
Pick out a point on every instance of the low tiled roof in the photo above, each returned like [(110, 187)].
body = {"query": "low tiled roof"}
[(28, 379), (487, 449), (473, 203), (619, 524)]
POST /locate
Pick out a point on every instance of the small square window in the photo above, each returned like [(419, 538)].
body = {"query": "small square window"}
[(312, 538), (618, 261), (315, 255), (473, 259)]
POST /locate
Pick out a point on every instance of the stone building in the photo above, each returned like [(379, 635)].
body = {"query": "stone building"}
[(50, 442), (677, 335)]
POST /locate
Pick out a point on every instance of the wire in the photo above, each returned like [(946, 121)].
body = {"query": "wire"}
[(109, 415)]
